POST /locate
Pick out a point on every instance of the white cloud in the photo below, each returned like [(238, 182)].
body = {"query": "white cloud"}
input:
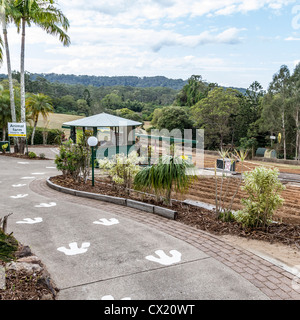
[(292, 39), (148, 37), (130, 12)]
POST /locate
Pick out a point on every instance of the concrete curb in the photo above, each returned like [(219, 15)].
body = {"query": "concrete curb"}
[(164, 212)]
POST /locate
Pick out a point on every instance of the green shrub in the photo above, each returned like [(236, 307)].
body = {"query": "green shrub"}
[(42, 155), (53, 135), (263, 189), (4, 147), (169, 174), (8, 246), (122, 168), (74, 160), (31, 155)]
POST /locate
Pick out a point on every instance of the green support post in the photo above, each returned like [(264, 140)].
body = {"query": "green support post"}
[(93, 167), (95, 131)]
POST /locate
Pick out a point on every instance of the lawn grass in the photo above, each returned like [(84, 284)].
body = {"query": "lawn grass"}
[(56, 120)]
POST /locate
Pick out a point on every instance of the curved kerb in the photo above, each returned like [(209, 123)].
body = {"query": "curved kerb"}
[(164, 212)]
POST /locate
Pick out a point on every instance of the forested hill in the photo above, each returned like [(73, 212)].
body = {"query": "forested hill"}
[(105, 81)]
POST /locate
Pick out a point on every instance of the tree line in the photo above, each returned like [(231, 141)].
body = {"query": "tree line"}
[(245, 118), (105, 81), (85, 100), (257, 118)]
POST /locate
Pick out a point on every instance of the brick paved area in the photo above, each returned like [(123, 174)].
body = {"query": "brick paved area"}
[(272, 280)]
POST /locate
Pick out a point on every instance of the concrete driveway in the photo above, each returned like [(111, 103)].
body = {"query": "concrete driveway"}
[(95, 250)]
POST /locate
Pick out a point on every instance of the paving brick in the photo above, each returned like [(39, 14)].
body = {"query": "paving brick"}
[(273, 279), (282, 294), (271, 285), (270, 293), (247, 275), (263, 273)]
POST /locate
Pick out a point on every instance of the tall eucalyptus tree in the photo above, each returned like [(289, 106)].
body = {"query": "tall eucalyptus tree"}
[(279, 88), (295, 104)]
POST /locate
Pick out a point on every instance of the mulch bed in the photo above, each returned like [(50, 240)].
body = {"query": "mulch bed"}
[(21, 285), (288, 234), (22, 156)]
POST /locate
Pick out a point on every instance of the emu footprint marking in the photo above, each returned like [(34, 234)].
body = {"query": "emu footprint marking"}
[(19, 196), (31, 221), (109, 297), (165, 259), (107, 222), (74, 249), (46, 205)]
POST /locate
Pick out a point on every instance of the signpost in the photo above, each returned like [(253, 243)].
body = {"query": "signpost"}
[(17, 129)]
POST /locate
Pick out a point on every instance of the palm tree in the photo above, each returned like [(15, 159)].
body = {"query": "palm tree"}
[(44, 14), (7, 14), (169, 174), (5, 113), (37, 104)]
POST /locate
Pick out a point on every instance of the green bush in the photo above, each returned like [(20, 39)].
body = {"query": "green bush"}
[(4, 147), (122, 168), (8, 246), (31, 155), (169, 174), (74, 160), (263, 189), (53, 135)]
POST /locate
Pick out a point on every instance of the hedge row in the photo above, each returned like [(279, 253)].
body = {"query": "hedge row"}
[(53, 136)]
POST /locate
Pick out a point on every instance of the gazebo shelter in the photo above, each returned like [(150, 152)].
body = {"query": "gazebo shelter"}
[(115, 134)]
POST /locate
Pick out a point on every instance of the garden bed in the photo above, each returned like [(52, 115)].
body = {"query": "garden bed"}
[(25, 276), (285, 233), (23, 156)]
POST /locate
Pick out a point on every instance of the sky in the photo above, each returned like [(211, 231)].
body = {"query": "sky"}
[(229, 42)]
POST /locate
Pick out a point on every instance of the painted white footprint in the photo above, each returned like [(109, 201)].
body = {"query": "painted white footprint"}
[(165, 259), (31, 221), (109, 297), (74, 249), (19, 196), (107, 222), (46, 205)]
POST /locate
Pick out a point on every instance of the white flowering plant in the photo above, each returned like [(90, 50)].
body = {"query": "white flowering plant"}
[(122, 168)]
